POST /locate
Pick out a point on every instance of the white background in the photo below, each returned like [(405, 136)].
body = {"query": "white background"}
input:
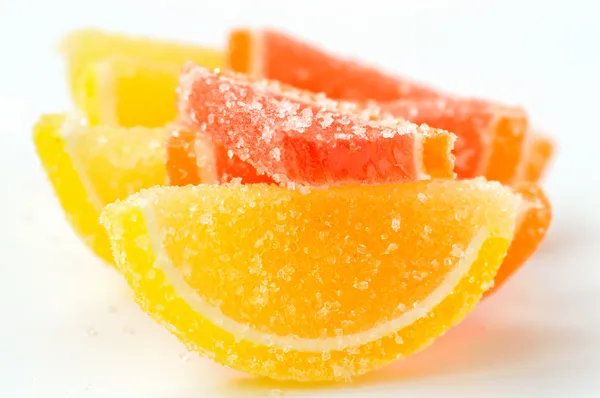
[(68, 327)]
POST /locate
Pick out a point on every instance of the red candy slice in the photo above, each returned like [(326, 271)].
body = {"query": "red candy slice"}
[(294, 137)]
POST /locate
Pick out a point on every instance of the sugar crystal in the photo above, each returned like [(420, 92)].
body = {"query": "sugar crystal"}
[(388, 133), (256, 105), (267, 134), (276, 154), (362, 285), (206, 219), (426, 232), (360, 131), (457, 251), (326, 119), (396, 224), (304, 189)]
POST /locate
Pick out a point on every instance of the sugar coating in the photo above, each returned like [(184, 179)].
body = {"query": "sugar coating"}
[(284, 270), (295, 136)]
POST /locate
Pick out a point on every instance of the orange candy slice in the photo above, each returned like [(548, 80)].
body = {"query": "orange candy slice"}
[(293, 137), (317, 285)]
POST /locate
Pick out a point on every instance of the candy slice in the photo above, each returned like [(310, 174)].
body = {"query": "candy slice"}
[(533, 222), (293, 137), (159, 60), (490, 137), (277, 56), (90, 167), (311, 285)]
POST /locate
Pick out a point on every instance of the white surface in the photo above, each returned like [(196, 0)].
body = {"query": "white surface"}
[(69, 327)]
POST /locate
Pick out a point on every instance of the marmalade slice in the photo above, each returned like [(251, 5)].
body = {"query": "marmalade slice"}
[(295, 137), (311, 284)]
